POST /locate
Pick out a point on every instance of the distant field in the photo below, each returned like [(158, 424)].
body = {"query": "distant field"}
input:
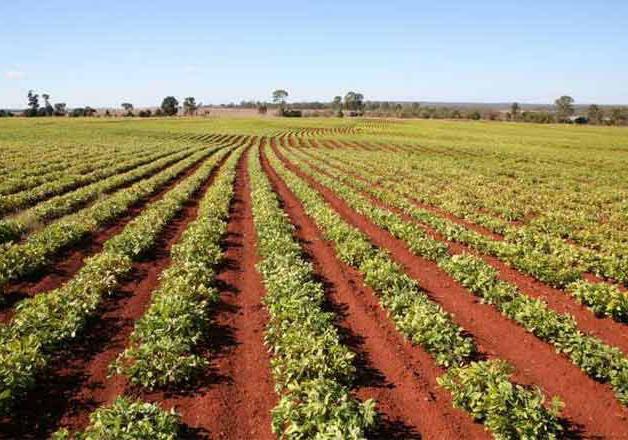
[(288, 278)]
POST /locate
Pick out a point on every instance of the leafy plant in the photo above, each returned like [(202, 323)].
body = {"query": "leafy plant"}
[(127, 419)]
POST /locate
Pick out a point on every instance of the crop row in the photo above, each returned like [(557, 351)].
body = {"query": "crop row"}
[(30, 175), (311, 367), (14, 202), (586, 200), (533, 255), (30, 178), (483, 388), (127, 419), (37, 169), (19, 260), (50, 320), (544, 234), (162, 351), (59, 206), (597, 359)]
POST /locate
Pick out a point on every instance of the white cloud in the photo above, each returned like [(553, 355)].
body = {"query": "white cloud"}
[(14, 75)]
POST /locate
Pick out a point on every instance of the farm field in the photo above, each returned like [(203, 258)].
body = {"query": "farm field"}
[(265, 278)]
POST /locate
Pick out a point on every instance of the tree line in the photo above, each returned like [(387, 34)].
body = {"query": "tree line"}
[(352, 104), (36, 108)]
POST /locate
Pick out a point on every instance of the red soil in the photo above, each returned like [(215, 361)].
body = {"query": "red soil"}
[(400, 377), (608, 330), (591, 408), (237, 395), (77, 381), (64, 266)]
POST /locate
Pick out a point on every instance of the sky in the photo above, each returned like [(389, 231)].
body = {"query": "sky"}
[(103, 53)]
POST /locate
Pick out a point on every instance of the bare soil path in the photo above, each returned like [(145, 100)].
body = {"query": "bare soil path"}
[(237, 394)]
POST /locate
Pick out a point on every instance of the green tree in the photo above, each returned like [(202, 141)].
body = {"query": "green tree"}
[(515, 111), (48, 109), (564, 108), (60, 109), (336, 104), (189, 106), (128, 108), (595, 114), (33, 103), (618, 116), (170, 106), (354, 101), (279, 98)]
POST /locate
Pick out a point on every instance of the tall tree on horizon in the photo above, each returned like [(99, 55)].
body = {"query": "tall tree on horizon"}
[(48, 109), (190, 106), (354, 101), (60, 109), (515, 111), (33, 103), (337, 103), (279, 98), (595, 114), (564, 108), (170, 106), (128, 108)]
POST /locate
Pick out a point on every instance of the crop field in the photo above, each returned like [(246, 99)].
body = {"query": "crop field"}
[(259, 278)]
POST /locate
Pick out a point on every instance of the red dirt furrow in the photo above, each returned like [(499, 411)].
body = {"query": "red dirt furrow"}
[(401, 378), (69, 262), (591, 409), (237, 394), (608, 330), (76, 382)]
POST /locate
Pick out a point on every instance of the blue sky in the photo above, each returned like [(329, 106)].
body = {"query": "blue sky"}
[(101, 53)]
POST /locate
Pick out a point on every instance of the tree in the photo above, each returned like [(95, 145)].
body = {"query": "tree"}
[(33, 104), (354, 101), (262, 108), (618, 116), (336, 104), (279, 98), (170, 106), (515, 111), (48, 110), (60, 109), (564, 108), (595, 114), (128, 108), (189, 106)]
